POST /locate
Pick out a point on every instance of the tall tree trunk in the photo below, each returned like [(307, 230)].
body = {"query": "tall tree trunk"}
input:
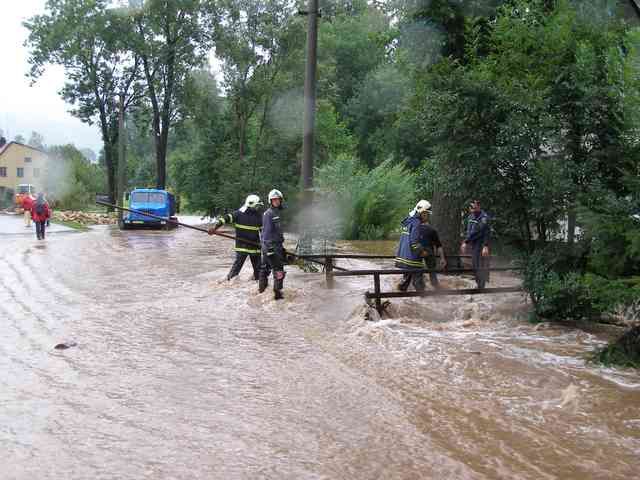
[(110, 164), (161, 165), (447, 221)]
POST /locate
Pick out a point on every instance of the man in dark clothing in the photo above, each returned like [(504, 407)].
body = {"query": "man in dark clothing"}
[(478, 235), (273, 256), (247, 221), (430, 241), (415, 245)]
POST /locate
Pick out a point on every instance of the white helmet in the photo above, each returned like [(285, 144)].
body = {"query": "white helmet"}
[(275, 194), (252, 201), (421, 206)]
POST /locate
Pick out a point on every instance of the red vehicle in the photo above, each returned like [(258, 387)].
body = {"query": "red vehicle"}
[(23, 191)]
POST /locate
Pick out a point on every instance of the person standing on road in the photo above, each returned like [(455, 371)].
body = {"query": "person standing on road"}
[(247, 221), (478, 235), (40, 212), (27, 204), (273, 256)]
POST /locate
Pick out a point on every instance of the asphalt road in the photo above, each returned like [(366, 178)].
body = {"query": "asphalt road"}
[(13, 224)]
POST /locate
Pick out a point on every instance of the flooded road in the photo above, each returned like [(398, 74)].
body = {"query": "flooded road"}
[(180, 375)]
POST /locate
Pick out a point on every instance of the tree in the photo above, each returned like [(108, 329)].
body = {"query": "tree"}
[(87, 39), (36, 140), (254, 39), (171, 39), (74, 182)]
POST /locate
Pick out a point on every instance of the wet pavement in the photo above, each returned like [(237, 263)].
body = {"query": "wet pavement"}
[(178, 374), (13, 224)]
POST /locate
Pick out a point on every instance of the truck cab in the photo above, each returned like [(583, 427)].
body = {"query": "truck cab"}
[(153, 201)]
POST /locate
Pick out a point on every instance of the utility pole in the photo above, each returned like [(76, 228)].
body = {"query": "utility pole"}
[(310, 101), (122, 163), (306, 237)]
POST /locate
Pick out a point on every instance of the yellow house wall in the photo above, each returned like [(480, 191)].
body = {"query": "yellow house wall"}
[(13, 157)]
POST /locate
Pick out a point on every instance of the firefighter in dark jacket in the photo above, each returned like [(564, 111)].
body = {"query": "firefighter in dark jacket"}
[(273, 256), (478, 235), (247, 221), (412, 249)]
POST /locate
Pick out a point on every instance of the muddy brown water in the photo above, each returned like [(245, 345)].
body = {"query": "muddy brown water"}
[(179, 375)]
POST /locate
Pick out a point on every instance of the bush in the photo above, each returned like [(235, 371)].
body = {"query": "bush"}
[(608, 296), (613, 235), (371, 202), (559, 293), (556, 291)]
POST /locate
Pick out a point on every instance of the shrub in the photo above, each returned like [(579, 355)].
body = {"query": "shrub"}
[(371, 202), (556, 293)]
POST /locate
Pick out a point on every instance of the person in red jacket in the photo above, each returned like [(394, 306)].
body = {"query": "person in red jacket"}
[(27, 204), (40, 212)]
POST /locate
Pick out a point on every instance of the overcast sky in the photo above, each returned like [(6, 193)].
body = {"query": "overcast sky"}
[(25, 108)]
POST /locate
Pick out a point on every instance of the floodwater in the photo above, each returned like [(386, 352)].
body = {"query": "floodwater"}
[(178, 374)]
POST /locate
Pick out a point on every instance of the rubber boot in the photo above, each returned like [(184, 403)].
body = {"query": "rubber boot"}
[(278, 285), (263, 282)]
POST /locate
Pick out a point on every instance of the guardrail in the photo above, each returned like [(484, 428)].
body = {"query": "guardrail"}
[(378, 294)]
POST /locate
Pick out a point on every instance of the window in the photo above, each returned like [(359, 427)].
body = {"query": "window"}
[(36, 172), (3, 171), (20, 172), (147, 197), (27, 159)]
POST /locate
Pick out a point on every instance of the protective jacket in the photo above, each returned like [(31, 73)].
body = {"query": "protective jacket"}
[(247, 225), (478, 231), (272, 237), (410, 249)]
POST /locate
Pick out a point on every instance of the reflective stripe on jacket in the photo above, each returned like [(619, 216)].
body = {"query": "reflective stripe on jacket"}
[(409, 248), (247, 225)]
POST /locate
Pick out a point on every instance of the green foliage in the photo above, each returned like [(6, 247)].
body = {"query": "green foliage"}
[(553, 279), (372, 202), (613, 234), (371, 111), (89, 41), (73, 184), (624, 352), (607, 295)]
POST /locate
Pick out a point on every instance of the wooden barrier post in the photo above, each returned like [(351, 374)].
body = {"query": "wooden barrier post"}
[(376, 290), (328, 272)]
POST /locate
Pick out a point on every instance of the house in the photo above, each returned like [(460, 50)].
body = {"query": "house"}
[(21, 164)]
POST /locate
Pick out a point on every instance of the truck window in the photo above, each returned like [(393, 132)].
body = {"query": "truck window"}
[(147, 197)]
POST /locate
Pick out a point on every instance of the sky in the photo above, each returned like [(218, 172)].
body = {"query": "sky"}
[(25, 108)]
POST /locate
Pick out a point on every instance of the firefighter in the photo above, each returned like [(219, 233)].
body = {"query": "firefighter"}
[(247, 221), (410, 250), (478, 235), (273, 255)]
